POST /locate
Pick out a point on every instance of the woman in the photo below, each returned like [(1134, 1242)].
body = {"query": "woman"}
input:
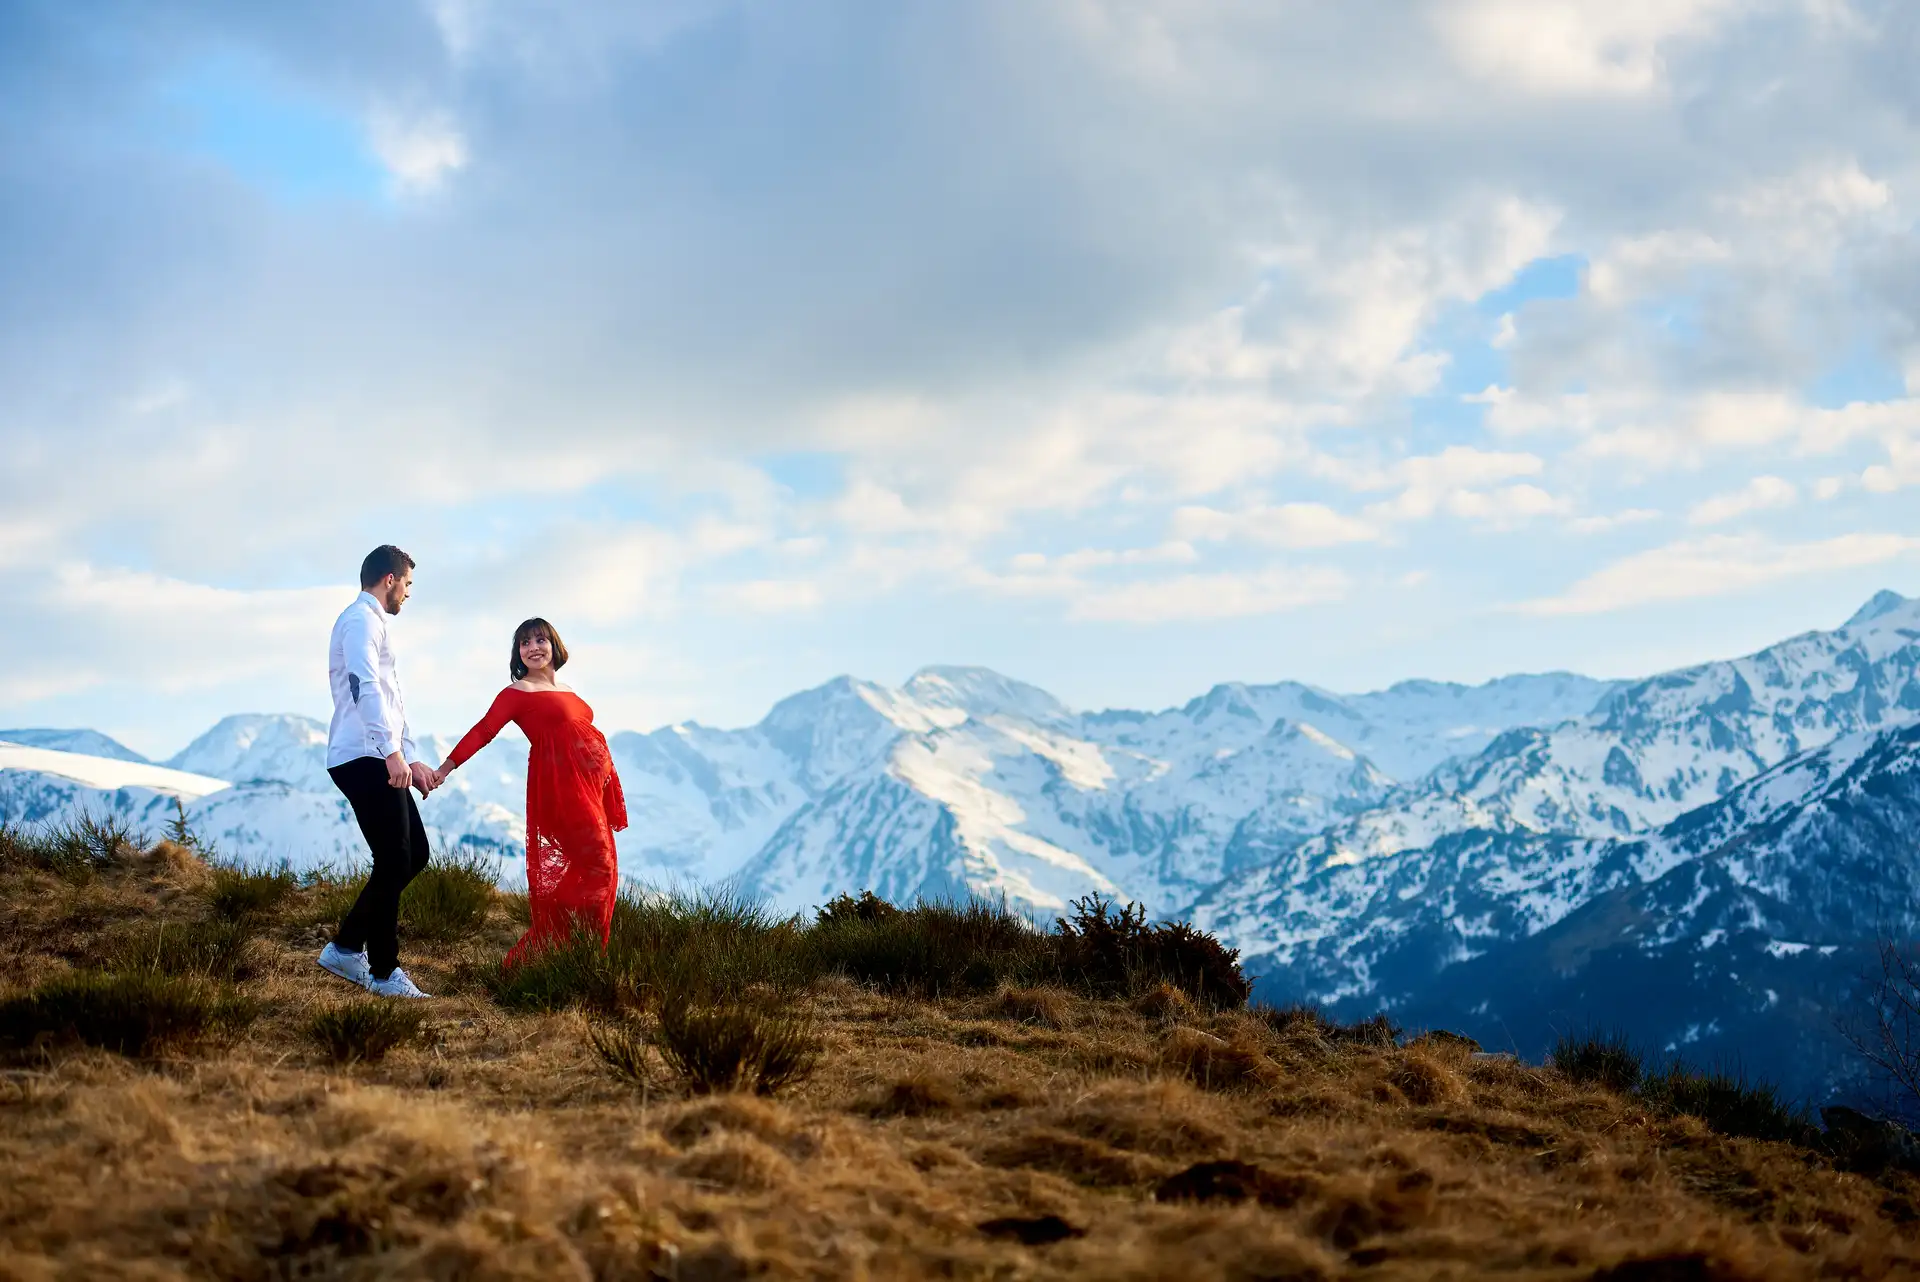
[(574, 802)]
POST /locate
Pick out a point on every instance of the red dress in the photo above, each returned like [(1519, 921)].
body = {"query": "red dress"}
[(574, 806)]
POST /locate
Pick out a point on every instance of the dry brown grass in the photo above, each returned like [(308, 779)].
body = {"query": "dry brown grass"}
[(1029, 1134)]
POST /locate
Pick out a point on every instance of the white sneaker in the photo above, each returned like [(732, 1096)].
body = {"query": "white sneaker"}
[(351, 967), (395, 985)]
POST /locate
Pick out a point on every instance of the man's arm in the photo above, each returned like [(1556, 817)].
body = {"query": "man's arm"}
[(361, 650)]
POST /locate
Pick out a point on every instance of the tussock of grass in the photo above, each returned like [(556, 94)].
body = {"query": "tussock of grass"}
[(75, 849), (239, 893), (932, 948), (623, 1049), (328, 895), (1727, 1103), (449, 899), (736, 1046), (1602, 1059), (216, 949), (364, 1030), (130, 1012), (1377, 1032), (661, 947)]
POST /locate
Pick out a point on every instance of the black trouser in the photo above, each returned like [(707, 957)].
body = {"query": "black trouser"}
[(391, 824)]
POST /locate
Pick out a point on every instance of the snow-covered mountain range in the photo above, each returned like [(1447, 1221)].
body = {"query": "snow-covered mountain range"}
[(960, 780), (1364, 849)]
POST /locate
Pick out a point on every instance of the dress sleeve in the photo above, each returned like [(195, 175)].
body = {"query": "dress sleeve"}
[(481, 735), (613, 800)]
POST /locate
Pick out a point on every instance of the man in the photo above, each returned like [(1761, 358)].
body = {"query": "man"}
[(371, 757)]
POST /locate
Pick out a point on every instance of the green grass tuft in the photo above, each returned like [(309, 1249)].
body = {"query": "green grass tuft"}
[(238, 893), (623, 1049), (363, 1031), (75, 848), (736, 1046), (934, 948), (131, 1012), (1602, 1059), (214, 949), (1377, 1032), (1728, 1104), (449, 900)]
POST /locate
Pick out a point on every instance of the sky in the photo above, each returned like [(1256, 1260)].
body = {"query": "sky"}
[(1122, 347)]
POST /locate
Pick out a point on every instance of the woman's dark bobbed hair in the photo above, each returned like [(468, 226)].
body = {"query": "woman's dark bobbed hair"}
[(527, 629)]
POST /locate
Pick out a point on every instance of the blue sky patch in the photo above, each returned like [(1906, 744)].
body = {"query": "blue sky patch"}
[(272, 135)]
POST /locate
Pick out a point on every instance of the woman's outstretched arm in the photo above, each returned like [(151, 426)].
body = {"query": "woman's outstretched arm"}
[(482, 734)]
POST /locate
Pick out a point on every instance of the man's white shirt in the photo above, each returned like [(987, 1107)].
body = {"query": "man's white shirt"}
[(369, 712)]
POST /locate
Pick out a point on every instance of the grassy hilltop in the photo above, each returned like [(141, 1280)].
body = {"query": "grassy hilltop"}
[(880, 1094)]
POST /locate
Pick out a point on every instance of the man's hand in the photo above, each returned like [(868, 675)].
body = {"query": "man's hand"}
[(424, 778), (398, 776)]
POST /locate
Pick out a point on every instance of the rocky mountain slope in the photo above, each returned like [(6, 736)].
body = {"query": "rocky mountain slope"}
[(1739, 933), (1506, 843)]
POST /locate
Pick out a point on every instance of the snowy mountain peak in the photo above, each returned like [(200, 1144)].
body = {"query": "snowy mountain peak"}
[(90, 743), (1883, 603), (982, 692), (278, 746), (1228, 699)]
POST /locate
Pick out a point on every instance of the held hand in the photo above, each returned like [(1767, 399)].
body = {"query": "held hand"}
[(441, 775), (424, 778), (398, 776)]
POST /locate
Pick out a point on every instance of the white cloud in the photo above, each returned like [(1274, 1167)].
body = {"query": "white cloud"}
[(1901, 469), (1195, 597), (419, 151), (1572, 47), (1285, 525), (1506, 506), (184, 635), (1602, 524), (1460, 481), (771, 596), (1720, 565), (1761, 494)]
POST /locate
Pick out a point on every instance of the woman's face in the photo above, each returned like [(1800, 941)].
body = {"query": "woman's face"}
[(536, 652)]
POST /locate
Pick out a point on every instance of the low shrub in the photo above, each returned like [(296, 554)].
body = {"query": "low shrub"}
[(449, 899), (1600, 1059), (1727, 1103), (134, 1012), (363, 1031), (216, 949), (844, 908), (1115, 953), (75, 848), (238, 893), (736, 1045)]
